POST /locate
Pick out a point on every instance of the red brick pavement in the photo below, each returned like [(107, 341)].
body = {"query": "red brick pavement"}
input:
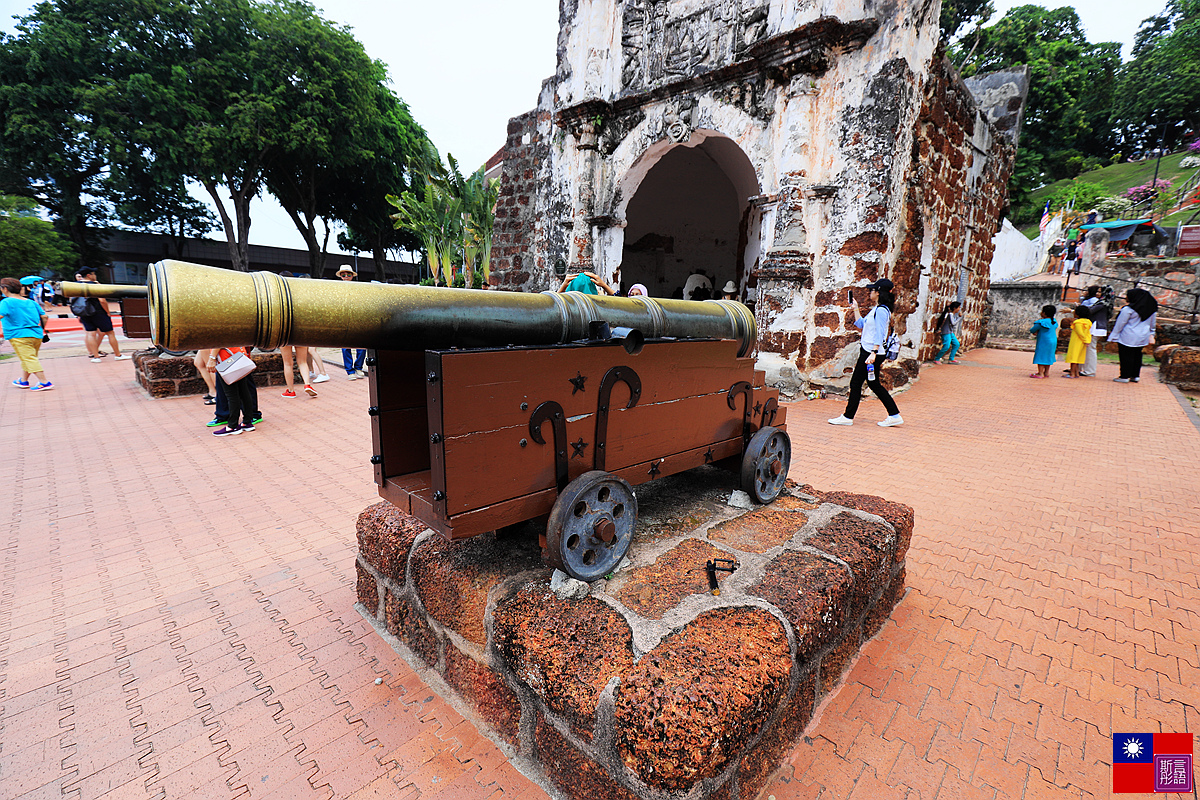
[(176, 610)]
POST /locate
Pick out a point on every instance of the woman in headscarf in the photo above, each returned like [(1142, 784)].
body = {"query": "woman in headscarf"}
[(638, 290), (1133, 330)]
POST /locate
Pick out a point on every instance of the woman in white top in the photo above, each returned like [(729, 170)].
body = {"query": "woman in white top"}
[(874, 327), (1133, 330)]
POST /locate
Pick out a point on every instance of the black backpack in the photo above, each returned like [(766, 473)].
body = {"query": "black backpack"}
[(84, 306)]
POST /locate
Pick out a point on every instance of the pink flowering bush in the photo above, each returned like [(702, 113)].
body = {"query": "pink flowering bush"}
[(1194, 147), (1139, 193)]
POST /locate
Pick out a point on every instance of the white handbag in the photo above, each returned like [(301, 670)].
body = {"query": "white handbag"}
[(236, 367)]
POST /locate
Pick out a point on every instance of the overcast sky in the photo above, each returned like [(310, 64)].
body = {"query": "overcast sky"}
[(464, 67)]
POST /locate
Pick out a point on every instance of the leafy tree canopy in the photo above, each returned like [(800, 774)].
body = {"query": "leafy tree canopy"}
[(1070, 94), (29, 244), (1158, 98)]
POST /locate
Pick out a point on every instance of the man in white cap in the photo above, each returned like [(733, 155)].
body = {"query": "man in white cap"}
[(352, 362)]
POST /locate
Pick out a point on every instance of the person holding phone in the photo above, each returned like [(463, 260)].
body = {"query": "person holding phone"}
[(874, 326)]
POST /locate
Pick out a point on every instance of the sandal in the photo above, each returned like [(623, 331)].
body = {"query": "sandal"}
[(209, 400)]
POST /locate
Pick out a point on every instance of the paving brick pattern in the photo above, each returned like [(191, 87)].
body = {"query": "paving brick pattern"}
[(176, 610)]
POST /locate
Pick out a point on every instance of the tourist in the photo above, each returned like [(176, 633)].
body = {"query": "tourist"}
[(947, 324), (242, 402), (298, 353), (23, 323), (1133, 330), (1081, 334), (1098, 309), (696, 282), (200, 362), (875, 326), (586, 283), (638, 290), (729, 291), (353, 363), (1046, 330), (1056, 256), (97, 322), (316, 367)]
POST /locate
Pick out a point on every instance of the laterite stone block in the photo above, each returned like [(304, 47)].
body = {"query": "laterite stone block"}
[(725, 672), (646, 685)]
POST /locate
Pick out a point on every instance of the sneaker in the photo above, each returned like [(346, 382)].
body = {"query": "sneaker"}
[(214, 422), (311, 392), (42, 387), (842, 420), (1120, 380), (352, 375), (893, 420), (122, 358), (246, 426), (257, 419), (320, 379), (95, 359), (227, 431), (1135, 380), (20, 384), (288, 393)]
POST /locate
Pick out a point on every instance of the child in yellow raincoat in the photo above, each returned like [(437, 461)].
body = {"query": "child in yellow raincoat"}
[(1081, 335)]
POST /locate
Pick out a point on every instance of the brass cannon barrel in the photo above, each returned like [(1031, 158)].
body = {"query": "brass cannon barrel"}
[(193, 306), (109, 290)]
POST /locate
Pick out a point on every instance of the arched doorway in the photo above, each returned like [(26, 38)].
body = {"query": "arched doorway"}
[(689, 211)]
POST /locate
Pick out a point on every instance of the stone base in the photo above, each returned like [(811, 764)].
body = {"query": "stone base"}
[(646, 684), (1179, 365), (176, 376)]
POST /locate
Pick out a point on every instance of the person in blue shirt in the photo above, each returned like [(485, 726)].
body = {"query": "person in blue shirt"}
[(1046, 330), (24, 324)]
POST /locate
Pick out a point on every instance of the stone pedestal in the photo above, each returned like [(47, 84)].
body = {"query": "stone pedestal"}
[(176, 376), (646, 684), (1179, 365)]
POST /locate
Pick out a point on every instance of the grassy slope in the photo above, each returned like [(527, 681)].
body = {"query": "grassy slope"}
[(1119, 177)]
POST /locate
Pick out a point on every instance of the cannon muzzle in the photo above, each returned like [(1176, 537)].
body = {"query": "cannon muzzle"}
[(193, 306)]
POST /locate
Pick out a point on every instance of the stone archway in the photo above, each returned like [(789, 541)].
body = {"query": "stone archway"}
[(687, 208)]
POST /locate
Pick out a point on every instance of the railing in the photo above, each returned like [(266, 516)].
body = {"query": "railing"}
[(1175, 200), (1139, 282)]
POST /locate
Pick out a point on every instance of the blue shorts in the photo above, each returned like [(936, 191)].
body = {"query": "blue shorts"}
[(97, 322)]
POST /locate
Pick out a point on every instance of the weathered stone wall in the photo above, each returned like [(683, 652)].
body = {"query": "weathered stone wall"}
[(1016, 306), (854, 150), (960, 180)]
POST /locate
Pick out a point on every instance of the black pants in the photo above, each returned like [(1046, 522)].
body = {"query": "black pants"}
[(856, 384), (1131, 360), (243, 401), (222, 408)]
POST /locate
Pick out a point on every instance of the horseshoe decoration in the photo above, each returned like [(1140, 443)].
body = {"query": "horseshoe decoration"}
[(630, 379), (552, 412)]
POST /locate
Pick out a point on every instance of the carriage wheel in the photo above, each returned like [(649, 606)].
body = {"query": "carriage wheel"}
[(765, 464), (591, 525)]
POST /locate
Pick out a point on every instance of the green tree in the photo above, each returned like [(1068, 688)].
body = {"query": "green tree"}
[(57, 114), (342, 120), (959, 14), (29, 244), (454, 216), (360, 197), (1158, 99), (1070, 93)]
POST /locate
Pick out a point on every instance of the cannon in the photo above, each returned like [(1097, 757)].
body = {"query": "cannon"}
[(489, 409)]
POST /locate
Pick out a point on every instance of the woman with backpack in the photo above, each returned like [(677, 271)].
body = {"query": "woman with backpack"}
[(871, 351)]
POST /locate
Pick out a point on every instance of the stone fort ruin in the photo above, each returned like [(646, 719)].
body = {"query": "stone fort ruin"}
[(794, 147)]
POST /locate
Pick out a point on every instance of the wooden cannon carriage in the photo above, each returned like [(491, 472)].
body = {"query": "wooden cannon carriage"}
[(492, 408)]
